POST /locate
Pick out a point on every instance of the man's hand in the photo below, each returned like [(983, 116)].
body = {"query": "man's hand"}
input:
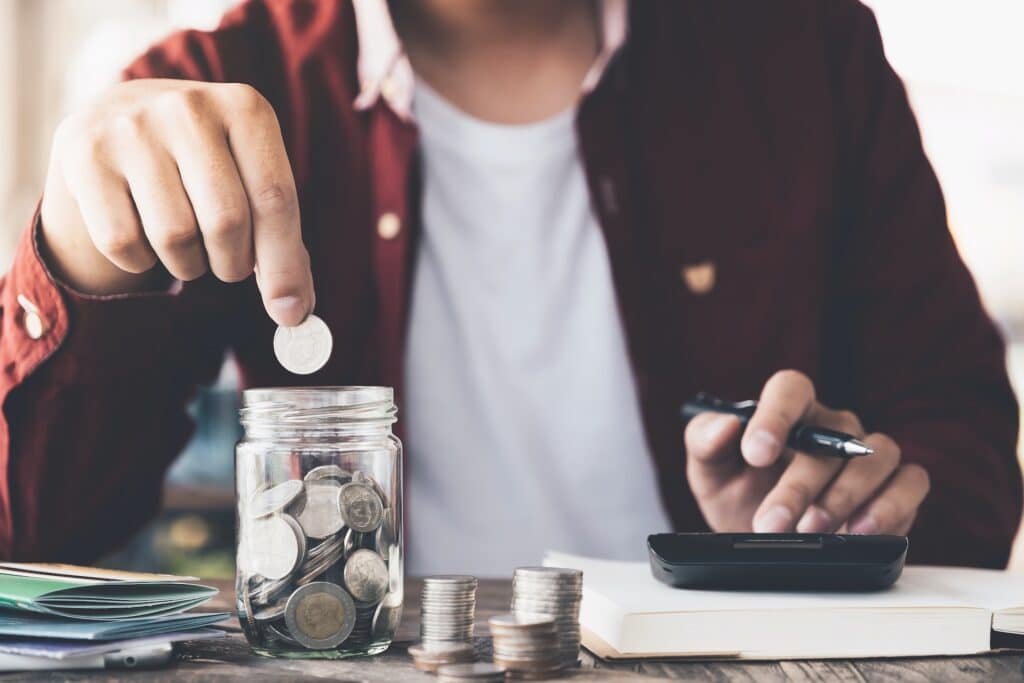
[(191, 175), (758, 484)]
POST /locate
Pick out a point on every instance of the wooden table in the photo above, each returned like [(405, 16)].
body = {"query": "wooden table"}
[(229, 659)]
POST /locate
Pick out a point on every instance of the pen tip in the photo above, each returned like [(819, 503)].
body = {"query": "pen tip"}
[(855, 447)]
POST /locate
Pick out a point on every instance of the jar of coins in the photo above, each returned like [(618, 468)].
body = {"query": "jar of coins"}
[(319, 487)]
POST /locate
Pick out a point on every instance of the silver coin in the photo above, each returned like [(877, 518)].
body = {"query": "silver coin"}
[(321, 517), (274, 499), (278, 548), (366, 576), (387, 618), (305, 348), (245, 610), (281, 634), (331, 472), (268, 591), (361, 507), (270, 613), (320, 615), (363, 478)]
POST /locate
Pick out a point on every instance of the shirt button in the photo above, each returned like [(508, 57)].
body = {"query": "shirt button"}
[(388, 226), (35, 325), (699, 277)]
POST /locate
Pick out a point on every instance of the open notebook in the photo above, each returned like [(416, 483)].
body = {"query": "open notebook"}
[(626, 613)]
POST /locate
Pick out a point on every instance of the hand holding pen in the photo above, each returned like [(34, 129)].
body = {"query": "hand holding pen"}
[(739, 466)]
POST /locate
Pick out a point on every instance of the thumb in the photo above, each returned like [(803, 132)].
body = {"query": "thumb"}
[(712, 451)]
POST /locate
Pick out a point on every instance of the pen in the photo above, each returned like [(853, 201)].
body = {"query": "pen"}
[(804, 438)]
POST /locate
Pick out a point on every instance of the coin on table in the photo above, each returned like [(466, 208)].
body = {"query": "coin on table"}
[(278, 548), (305, 348), (320, 615), (429, 656), (276, 498), (321, 516), (361, 507), (477, 671), (330, 472), (366, 576)]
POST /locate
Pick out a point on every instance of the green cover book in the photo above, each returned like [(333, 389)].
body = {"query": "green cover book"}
[(81, 593)]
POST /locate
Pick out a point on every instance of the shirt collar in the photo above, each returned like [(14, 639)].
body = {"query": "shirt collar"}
[(385, 72)]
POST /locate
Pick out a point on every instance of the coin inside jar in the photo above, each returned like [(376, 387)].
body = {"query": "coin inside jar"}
[(332, 472), (280, 548), (321, 516), (361, 507), (305, 348), (276, 498), (366, 576), (320, 615)]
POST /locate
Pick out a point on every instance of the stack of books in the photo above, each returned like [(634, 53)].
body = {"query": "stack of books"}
[(66, 617)]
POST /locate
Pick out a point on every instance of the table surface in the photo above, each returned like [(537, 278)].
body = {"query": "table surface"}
[(230, 659)]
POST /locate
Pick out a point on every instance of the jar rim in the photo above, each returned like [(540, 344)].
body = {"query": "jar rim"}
[(318, 396), (318, 407)]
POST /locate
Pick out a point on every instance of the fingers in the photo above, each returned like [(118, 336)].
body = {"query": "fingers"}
[(712, 453), (108, 212), (214, 188), (893, 510), (804, 480), (858, 481), (282, 263), (798, 486), (160, 199), (786, 398)]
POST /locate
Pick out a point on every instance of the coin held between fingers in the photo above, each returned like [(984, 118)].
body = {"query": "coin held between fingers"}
[(305, 348)]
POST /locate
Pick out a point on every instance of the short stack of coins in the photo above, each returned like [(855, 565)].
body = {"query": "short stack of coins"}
[(447, 609), (481, 672), (433, 655), (526, 647), (315, 559), (552, 592)]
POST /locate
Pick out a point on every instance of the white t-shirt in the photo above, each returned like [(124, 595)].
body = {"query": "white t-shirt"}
[(521, 414)]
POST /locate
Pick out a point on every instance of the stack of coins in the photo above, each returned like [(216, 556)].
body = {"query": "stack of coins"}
[(551, 592), (313, 553), (478, 671), (430, 656), (447, 609), (527, 647)]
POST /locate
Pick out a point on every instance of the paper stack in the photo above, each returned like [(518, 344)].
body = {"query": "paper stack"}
[(61, 616)]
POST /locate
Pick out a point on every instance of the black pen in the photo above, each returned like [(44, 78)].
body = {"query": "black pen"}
[(804, 438)]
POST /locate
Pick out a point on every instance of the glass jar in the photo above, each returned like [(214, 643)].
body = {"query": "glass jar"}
[(318, 477)]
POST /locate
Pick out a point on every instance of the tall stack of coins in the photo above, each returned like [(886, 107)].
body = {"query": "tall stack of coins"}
[(552, 592), (526, 646), (314, 555), (447, 609)]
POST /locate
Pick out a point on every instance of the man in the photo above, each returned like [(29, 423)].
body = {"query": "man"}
[(548, 224)]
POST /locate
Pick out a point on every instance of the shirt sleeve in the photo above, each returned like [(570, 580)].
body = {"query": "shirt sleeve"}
[(927, 365), (94, 389)]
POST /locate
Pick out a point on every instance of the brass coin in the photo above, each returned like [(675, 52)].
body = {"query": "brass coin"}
[(320, 615)]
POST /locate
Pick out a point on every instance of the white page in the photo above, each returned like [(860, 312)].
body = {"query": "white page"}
[(632, 588)]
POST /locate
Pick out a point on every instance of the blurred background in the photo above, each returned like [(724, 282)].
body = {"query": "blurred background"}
[(962, 64)]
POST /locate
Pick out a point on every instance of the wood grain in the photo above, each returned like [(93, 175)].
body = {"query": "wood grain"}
[(230, 660)]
